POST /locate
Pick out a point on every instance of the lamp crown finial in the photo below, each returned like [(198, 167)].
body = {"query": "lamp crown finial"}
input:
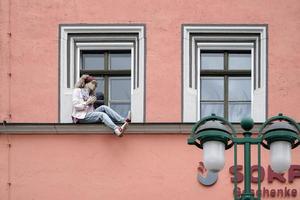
[(247, 124)]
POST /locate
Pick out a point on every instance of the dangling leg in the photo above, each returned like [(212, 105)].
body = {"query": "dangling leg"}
[(111, 113), (93, 117)]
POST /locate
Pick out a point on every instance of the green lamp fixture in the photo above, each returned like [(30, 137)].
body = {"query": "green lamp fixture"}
[(214, 135)]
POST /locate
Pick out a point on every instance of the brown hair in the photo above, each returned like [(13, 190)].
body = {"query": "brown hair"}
[(81, 82)]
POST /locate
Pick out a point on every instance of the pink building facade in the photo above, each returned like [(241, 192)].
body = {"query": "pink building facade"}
[(157, 59)]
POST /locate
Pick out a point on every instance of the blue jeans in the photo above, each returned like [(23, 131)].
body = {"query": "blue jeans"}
[(103, 114)]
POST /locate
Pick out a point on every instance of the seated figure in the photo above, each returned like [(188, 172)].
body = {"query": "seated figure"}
[(84, 99)]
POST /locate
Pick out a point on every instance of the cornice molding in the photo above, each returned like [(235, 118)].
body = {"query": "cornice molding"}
[(100, 129)]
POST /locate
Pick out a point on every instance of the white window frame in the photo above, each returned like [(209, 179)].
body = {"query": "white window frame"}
[(101, 40), (196, 37)]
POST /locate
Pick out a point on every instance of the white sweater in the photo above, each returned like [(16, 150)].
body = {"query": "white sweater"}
[(80, 107)]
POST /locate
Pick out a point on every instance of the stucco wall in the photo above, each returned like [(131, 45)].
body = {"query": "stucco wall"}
[(134, 167), (30, 52)]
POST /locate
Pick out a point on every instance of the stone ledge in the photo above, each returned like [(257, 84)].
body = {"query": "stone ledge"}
[(78, 129)]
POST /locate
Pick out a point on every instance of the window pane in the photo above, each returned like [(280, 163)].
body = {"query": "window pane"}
[(93, 61), (120, 60), (120, 88), (212, 61), (237, 111), (239, 88), (212, 88), (121, 108), (100, 84), (207, 108), (239, 61)]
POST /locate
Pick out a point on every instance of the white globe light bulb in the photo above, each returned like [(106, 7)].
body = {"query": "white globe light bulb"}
[(280, 156), (213, 155)]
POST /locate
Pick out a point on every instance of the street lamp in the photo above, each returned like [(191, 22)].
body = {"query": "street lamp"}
[(214, 135)]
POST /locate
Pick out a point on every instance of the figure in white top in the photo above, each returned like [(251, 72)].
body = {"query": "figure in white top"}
[(83, 111)]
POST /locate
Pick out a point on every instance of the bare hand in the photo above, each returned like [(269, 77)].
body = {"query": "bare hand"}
[(91, 100)]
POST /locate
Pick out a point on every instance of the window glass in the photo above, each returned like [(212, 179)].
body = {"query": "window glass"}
[(239, 88), (239, 110), (120, 60), (112, 69), (93, 61), (121, 108), (100, 84), (221, 91), (211, 61), (120, 88), (207, 108), (239, 61), (212, 88)]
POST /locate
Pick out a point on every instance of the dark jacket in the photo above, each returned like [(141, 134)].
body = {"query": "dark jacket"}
[(100, 99)]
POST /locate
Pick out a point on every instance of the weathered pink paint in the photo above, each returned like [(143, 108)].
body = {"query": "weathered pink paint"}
[(32, 93)]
